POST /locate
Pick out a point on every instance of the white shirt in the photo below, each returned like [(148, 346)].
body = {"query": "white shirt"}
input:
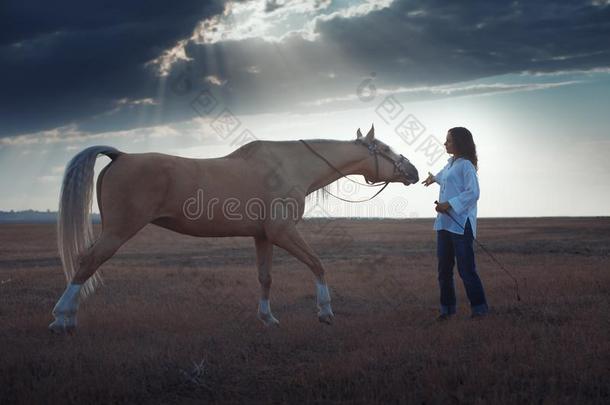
[(460, 187)]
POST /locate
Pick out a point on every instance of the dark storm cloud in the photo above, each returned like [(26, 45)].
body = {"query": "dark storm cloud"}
[(69, 60), (432, 41), (271, 5), (411, 43), (74, 65)]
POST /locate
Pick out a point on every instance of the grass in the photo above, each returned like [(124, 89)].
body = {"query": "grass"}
[(176, 320)]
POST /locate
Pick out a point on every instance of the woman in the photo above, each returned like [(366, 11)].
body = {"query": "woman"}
[(456, 223)]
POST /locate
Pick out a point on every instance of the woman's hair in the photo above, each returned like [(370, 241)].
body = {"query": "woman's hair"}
[(464, 144)]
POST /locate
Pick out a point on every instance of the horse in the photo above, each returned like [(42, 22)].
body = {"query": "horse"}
[(258, 190)]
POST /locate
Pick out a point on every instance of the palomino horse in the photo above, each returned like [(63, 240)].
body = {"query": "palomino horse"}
[(137, 189)]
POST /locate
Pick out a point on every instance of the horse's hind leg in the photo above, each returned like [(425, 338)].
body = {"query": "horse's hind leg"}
[(264, 256), (286, 236), (96, 255), (110, 240)]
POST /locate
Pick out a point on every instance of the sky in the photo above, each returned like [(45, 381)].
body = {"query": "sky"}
[(530, 79)]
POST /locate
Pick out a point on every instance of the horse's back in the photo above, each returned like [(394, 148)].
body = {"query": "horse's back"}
[(158, 187)]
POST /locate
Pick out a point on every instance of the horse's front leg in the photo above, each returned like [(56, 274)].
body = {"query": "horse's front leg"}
[(264, 257), (288, 237)]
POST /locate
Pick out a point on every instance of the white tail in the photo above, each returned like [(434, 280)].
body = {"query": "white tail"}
[(74, 226)]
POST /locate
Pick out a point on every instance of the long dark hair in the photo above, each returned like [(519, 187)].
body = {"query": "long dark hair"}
[(464, 144)]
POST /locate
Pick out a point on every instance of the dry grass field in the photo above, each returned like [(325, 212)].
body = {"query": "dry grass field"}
[(176, 320)]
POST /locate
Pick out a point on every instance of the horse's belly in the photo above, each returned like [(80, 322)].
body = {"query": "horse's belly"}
[(211, 228)]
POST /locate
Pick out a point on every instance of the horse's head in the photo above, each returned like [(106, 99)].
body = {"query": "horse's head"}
[(384, 164)]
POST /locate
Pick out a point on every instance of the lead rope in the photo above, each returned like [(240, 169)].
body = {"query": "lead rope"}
[(343, 175), (339, 171), (358, 201), (489, 254)]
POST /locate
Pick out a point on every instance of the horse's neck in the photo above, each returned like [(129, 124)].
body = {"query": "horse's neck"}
[(316, 173)]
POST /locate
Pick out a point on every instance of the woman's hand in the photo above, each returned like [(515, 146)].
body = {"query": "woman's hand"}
[(442, 207), (431, 179)]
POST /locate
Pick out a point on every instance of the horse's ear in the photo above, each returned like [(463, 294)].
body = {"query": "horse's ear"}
[(358, 134), (371, 135)]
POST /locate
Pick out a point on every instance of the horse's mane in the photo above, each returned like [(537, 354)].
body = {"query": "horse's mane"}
[(320, 196), (317, 197), (246, 149)]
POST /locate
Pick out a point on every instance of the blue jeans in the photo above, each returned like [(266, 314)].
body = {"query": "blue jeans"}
[(452, 246)]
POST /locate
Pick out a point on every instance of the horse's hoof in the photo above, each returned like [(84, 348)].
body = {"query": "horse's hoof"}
[(326, 318), (62, 328), (269, 320)]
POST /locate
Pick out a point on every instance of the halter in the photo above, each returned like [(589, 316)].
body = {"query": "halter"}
[(399, 165), (373, 150)]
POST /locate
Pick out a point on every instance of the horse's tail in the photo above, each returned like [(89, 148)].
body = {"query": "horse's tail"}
[(74, 226)]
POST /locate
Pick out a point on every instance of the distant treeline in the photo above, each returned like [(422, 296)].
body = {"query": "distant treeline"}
[(33, 217)]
